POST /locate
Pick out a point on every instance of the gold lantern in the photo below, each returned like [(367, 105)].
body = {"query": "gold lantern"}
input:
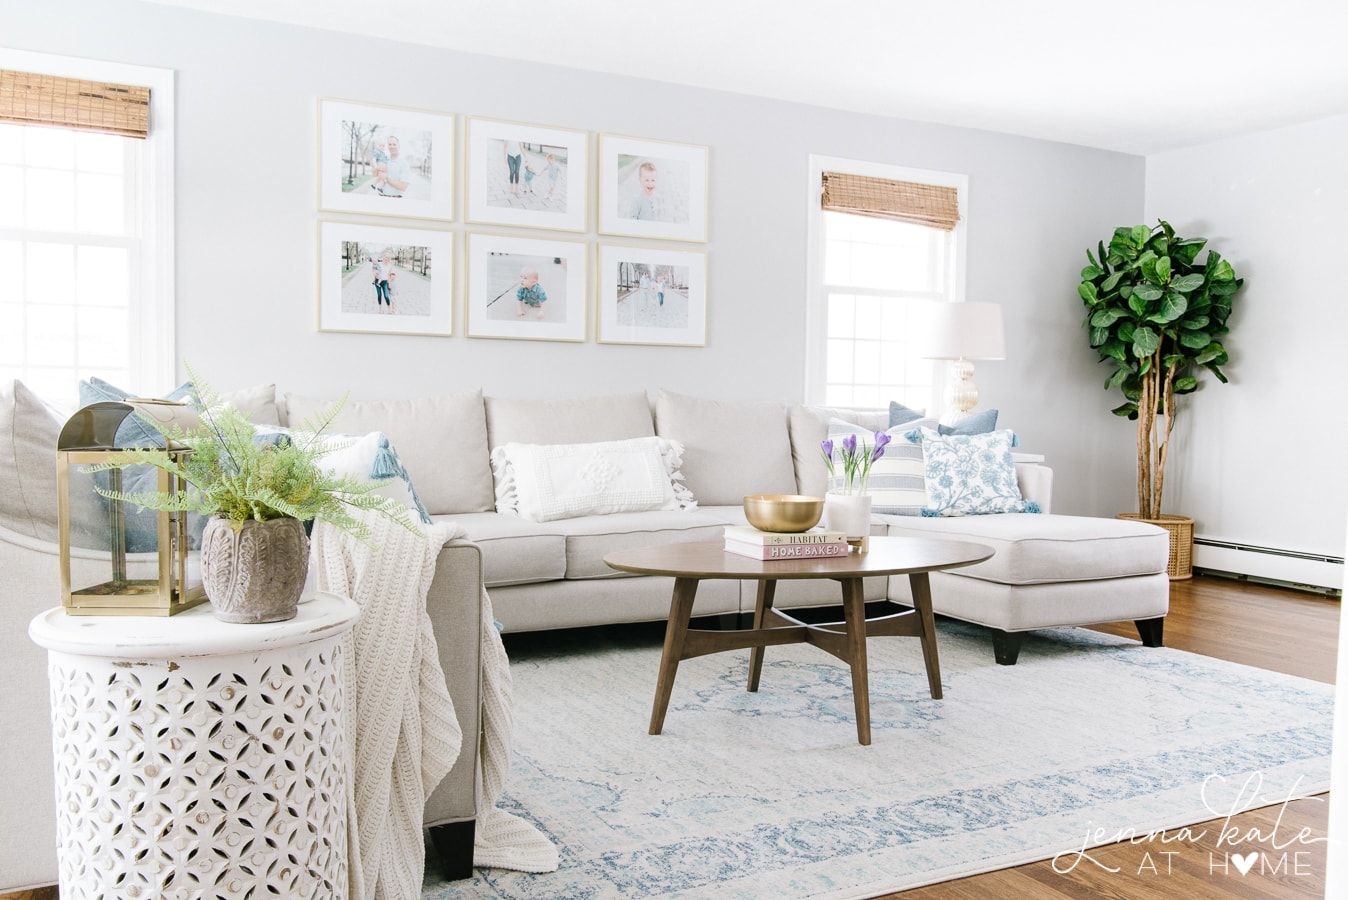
[(118, 560)]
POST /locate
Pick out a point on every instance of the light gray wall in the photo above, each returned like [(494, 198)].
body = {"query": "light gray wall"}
[(1262, 456), (247, 225)]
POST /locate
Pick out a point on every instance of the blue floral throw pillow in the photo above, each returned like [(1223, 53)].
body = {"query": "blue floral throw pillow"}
[(970, 475)]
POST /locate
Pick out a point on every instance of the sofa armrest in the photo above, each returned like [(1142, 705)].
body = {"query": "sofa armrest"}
[(30, 585), (1036, 483), (454, 603)]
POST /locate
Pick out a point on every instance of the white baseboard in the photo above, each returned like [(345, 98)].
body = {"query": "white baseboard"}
[(1263, 562)]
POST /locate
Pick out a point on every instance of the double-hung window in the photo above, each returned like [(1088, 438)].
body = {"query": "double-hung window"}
[(885, 243), (86, 225)]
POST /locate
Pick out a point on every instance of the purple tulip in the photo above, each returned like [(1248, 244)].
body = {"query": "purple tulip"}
[(881, 439)]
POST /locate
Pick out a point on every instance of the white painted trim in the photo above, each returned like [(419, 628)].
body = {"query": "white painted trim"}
[(815, 308), (154, 361)]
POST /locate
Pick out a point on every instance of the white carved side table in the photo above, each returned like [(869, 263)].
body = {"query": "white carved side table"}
[(198, 758)]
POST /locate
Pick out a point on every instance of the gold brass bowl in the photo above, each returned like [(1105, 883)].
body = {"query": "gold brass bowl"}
[(783, 512)]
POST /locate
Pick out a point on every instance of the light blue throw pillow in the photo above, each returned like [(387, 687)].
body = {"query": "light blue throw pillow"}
[(902, 415), (976, 423), (134, 431), (970, 475)]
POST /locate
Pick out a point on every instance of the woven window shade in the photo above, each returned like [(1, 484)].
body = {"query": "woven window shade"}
[(30, 99), (883, 198)]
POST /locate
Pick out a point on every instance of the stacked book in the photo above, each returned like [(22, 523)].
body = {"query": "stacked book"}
[(749, 541)]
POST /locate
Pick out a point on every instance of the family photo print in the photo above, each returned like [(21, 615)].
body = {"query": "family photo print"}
[(387, 161), (525, 288), (652, 296), (652, 189), (384, 279), (526, 175)]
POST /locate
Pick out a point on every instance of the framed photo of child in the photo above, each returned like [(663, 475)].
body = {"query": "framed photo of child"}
[(652, 295), (652, 189), (526, 288), (384, 160), (526, 175), (386, 280)]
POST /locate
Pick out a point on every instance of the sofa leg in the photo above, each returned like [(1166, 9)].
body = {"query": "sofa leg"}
[(1150, 631), (1005, 646), (454, 842)]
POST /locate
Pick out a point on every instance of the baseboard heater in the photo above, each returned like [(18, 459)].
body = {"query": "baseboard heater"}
[(1289, 568)]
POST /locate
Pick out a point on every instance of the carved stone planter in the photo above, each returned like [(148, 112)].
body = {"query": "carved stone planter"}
[(255, 574)]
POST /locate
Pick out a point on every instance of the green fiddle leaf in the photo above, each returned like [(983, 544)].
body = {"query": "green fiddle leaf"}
[(1087, 291), (1138, 304), (1197, 340), (1099, 336), (1116, 350), (1223, 272), (1112, 281), (1126, 410), (1091, 272), (1187, 283), (1118, 378), (1145, 342), (1105, 317), (1126, 332), (1186, 251), (1091, 257), (1195, 323), (1224, 288), (1162, 269), (1139, 234), (1173, 306), (1213, 352), (1186, 385), (1148, 292)]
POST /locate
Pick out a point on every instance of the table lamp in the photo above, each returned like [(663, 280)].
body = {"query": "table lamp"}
[(961, 332)]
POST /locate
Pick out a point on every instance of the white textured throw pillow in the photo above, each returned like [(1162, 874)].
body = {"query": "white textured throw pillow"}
[(542, 482)]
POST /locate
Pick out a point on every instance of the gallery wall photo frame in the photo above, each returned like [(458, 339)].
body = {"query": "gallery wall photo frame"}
[(651, 295), (384, 279), (652, 189), (526, 288), (385, 160), (526, 175)]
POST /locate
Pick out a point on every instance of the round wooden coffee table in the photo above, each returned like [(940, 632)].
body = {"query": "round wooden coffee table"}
[(689, 563)]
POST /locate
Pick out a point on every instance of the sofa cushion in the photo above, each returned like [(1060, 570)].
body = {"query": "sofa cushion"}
[(970, 474), (575, 420), (590, 538), (898, 479), (29, 429), (544, 482), (809, 427), (514, 550), (730, 449), (1041, 549), (442, 440)]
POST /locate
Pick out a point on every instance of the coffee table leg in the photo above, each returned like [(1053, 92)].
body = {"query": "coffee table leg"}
[(921, 589), (854, 614), (680, 611), (766, 589)]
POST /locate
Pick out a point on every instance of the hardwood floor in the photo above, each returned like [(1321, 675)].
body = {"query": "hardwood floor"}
[(1272, 628), (1282, 630)]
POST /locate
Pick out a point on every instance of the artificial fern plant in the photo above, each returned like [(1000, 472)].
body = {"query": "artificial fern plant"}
[(235, 472), (1158, 315)]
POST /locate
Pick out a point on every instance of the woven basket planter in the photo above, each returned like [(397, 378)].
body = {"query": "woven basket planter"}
[(1181, 529)]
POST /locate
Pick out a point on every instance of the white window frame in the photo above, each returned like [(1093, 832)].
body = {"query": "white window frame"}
[(152, 354), (816, 300)]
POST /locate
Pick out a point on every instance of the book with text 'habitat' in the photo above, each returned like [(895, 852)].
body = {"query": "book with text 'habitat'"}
[(748, 535), (787, 551)]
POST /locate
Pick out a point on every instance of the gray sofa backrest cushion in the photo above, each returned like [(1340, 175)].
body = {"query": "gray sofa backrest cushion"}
[(441, 440), (730, 449), (572, 420), (809, 428)]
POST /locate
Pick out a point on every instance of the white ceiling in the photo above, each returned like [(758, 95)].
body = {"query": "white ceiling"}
[(1138, 77)]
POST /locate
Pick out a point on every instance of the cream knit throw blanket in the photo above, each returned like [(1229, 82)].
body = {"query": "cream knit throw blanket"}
[(405, 735)]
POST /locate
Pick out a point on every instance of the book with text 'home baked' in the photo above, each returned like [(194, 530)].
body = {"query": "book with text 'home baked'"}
[(787, 551), (749, 535)]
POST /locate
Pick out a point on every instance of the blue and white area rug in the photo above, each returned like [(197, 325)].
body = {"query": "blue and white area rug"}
[(1089, 739)]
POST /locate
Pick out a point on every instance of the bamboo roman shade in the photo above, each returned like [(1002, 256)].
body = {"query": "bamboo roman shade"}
[(932, 205), (30, 99)]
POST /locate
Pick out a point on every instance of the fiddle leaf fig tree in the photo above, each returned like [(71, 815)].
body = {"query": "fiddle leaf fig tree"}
[(1158, 315)]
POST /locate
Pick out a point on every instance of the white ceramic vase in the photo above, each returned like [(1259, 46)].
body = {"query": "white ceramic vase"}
[(850, 513)]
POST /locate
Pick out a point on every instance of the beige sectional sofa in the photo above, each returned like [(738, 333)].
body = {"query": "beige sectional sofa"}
[(541, 575)]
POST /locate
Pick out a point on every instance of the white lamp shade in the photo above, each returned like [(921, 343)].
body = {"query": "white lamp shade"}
[(965, 331)]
